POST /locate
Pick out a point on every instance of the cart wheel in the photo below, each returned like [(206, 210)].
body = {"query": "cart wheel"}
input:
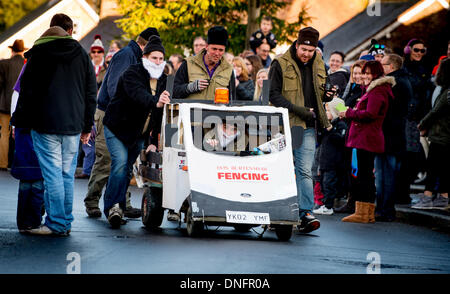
[(242, 228), (284, 232), (151, 210), (194, 229)]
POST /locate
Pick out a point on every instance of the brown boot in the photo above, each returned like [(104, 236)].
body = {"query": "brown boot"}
[(361, 214), (371, 212)]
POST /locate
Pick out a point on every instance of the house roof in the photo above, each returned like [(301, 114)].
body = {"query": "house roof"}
[(108, 30), (363, 27), (27, 19)]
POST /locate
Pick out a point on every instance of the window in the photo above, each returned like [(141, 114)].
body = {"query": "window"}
[(237, 133)]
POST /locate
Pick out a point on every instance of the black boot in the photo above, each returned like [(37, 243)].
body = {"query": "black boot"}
[(348, 207)]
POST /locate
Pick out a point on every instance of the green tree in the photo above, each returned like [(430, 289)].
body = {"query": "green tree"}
[(11, 11), (179, 22)]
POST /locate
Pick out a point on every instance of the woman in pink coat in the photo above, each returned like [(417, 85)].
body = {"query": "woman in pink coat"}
[(366, 135)]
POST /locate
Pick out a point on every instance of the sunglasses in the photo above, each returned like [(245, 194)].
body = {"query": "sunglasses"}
[(417, 50), (378, 46), (97, 52)]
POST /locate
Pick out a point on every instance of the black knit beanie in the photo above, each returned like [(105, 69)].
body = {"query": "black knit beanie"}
[(148, 32), (218, 35), (154, 44)]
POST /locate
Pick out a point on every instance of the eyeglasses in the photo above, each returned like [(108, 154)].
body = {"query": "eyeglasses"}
[(96, 52), (378, 46), (417, 50)]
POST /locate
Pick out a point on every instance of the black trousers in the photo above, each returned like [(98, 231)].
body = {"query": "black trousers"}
[(332, 185), (365, 181), (438, 162)]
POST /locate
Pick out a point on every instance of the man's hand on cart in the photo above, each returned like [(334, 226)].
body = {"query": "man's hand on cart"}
[(151, 148), (164, 98)]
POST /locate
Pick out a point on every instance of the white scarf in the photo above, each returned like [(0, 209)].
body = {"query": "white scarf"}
[(153, 69), (225, 139)]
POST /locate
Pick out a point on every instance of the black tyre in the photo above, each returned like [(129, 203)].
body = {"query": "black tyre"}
[(194, 228), (151, 208), (242, 228), (284, 232)]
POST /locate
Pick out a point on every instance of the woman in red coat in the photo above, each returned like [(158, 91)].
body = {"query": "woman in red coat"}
[(366, 135)]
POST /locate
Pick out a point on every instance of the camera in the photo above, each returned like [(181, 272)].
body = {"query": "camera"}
[(327, 87)]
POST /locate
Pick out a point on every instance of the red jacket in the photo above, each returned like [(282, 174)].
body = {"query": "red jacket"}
[(367, 119)]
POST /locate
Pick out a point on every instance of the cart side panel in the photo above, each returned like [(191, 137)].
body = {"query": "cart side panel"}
[(175, 179)]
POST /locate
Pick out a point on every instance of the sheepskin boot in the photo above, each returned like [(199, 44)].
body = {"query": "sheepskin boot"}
[(361, 214), (371, 212)]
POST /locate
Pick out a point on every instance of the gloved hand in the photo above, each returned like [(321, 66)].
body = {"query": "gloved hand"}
[(197, 86), (304, 113)]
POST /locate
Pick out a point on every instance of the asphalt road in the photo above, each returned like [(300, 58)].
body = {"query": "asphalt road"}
[(93, 247)]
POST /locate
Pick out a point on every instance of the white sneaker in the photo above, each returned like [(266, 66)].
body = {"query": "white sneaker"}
[(323, 210)]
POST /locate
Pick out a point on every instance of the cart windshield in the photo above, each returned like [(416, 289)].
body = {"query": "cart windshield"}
[(237, 133)]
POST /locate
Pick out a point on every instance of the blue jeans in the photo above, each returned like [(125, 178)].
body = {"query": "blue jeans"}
[(387, 168), (30, 203), (303, 161), (57, 155), (122, 160)]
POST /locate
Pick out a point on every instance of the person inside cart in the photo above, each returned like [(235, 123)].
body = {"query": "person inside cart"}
[(227, 137)]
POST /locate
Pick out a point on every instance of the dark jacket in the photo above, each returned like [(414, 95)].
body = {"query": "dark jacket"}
[(131, 54), (9, 72), (437, 121), (245, 90), (130, 107), (395, 121), (25, 165), (58, 89), (332, 146), (367, 120), (422, 87), (339, 78), (355, 92)]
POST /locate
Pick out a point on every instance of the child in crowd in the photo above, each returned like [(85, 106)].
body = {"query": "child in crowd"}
[(331, 158), (263, 35)]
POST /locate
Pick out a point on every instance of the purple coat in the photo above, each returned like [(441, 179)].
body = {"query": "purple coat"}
[(366, 130)]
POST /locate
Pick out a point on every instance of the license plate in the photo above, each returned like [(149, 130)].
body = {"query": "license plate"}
[(246, 217)]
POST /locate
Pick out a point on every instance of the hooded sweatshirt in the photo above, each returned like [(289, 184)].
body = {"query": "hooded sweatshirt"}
[(339, 78), (58, 87)]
